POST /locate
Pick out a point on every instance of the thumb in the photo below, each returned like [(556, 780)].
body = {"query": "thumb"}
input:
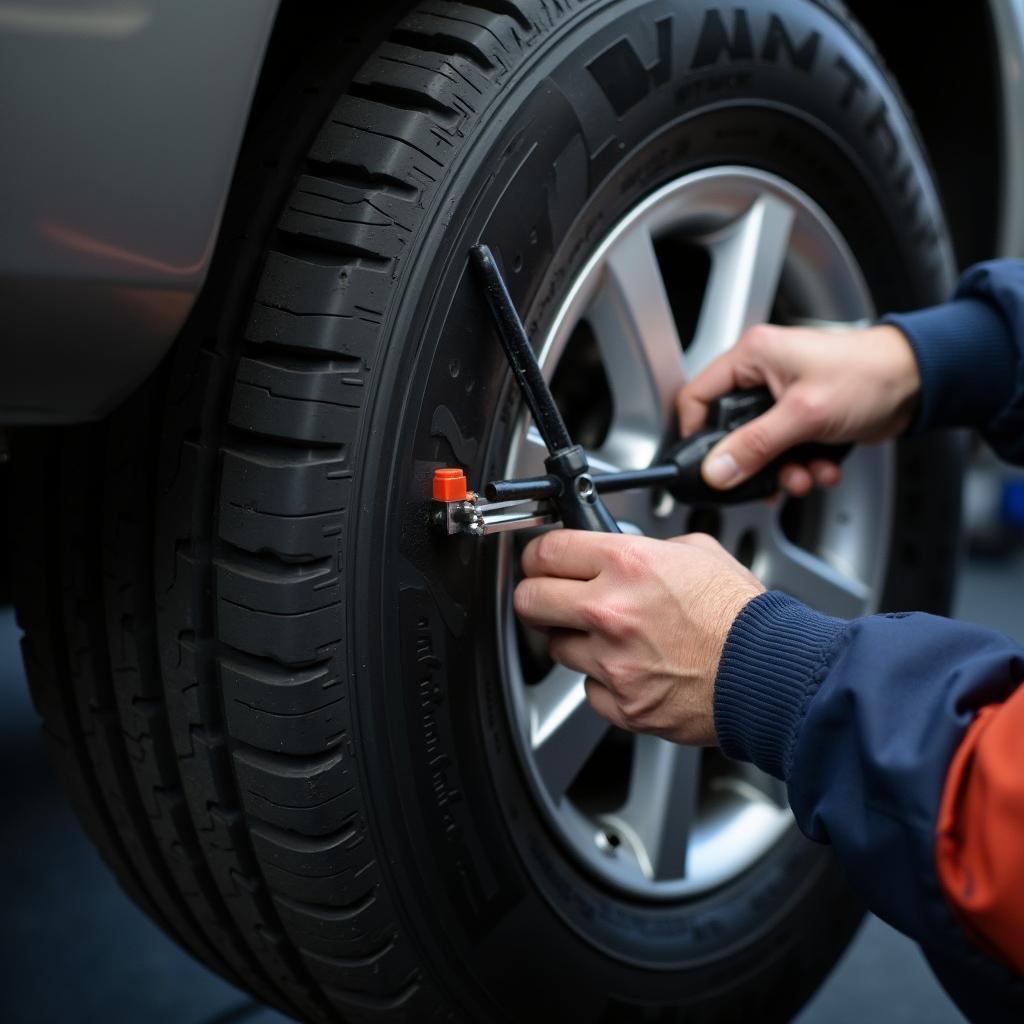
[(753, 446)]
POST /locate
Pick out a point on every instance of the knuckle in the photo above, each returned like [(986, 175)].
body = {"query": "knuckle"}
[(626, 628), (595, 614), (524, 597), (615, 672), (758, 338), (606, 616), (809, 407), (605, 670), (551, 547), (702, 540), (632, 559), (618, 624), (636, 711), (629, 717)]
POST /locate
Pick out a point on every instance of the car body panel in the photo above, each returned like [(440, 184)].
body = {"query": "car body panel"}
[(1008, 19), (120, 126)]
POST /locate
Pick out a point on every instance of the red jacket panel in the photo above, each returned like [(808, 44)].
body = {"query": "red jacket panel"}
[(980, 840)]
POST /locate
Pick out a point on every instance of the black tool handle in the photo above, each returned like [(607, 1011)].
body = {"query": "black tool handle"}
[(725, 415), (519, 352)]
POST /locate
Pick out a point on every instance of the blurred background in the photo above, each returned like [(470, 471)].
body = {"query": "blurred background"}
[(78, 950)]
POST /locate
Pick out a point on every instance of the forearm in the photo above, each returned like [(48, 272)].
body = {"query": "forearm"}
[(862, 720), (970, 354)]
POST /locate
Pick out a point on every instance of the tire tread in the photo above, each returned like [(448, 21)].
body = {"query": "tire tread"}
[(201, 708)]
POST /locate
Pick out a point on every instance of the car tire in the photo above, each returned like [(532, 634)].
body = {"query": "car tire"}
[(275, 696)]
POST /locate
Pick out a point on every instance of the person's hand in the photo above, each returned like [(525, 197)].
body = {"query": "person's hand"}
[(645, 620), (830, 386)]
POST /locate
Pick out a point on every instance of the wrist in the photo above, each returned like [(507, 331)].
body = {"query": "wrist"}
[(901, 376), (966, 359), (774, 658)]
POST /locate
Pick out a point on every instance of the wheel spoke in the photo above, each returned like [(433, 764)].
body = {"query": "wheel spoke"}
[(783, 565), (658, 814), (533, 453), (757, 518), (599, 464), (564, 730), (688, 823), (632, 321), (746, 263), (817, 324), (767, 785)]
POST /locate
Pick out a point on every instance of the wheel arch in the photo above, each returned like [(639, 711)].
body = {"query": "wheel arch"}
[(109, 218)]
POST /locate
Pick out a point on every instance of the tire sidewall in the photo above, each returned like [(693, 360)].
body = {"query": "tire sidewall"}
[(551, 170)]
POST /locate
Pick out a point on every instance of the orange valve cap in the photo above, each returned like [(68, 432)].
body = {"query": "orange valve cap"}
[(450, 485)]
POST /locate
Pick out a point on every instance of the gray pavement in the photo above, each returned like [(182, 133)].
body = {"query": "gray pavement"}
[(76, 950)]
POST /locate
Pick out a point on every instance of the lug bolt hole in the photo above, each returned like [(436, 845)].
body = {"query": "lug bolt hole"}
[(608, 842), (704, 519), (662, 503), (747, 549)]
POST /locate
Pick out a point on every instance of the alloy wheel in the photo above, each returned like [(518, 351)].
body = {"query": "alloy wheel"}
[(672, 286)]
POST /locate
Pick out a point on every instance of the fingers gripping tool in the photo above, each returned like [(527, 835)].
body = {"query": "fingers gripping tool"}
[(568, 492)]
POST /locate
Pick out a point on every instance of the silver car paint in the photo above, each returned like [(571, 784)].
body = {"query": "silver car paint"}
[(120, 124), (1008, 18)]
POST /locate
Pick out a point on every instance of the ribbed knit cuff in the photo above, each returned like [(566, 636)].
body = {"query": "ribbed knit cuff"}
[(967, 361), (772, 659)]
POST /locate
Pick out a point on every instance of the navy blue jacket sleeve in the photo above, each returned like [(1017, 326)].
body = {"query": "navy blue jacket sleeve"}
[(970, 352), (861, 720)]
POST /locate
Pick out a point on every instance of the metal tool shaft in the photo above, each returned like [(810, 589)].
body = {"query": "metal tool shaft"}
[(542, 487), (520, 354)]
